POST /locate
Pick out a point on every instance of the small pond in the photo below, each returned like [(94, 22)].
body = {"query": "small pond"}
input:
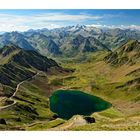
[(66, 103)]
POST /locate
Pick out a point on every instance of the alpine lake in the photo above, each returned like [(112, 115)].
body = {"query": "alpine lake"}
[(66, 103)]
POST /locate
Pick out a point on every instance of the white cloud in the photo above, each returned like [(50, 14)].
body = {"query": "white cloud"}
[(131, 27), (65, 17), (48, 20), (9, 22)]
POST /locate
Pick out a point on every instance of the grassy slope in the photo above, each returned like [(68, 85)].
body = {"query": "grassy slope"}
[(31, 112), (101, 79), (93, 76), (98, 78)]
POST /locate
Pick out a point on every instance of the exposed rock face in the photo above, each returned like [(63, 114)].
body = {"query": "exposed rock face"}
[(2, 121)]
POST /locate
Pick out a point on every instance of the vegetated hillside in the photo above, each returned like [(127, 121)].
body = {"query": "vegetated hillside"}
[(94, 76), (133, 83), (129, 53), (24, 88), (17, 65), (103, 80), (128, 57)]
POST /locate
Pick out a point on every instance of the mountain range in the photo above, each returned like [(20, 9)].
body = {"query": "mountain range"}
[(70, 40)]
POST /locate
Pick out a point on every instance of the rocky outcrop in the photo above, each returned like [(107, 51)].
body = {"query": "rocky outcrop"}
[(2, 121)]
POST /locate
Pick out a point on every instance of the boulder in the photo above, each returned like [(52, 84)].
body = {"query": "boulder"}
[(2, 121), (55, 116), (90, 119)]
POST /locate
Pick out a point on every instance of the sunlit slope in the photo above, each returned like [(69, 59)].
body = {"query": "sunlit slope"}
[(18, 65)]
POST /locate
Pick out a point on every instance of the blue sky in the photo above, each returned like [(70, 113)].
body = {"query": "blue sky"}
[(22, 20)]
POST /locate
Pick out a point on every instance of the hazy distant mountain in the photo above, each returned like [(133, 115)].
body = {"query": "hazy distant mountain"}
[(16, 38), (114, 38), (76, 44), (43, 44), (110, 37), (70, 40)]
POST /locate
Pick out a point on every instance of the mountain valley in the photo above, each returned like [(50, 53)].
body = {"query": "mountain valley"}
[(101, 62)]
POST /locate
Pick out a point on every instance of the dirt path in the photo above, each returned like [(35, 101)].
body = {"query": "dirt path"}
[(17, 88)]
